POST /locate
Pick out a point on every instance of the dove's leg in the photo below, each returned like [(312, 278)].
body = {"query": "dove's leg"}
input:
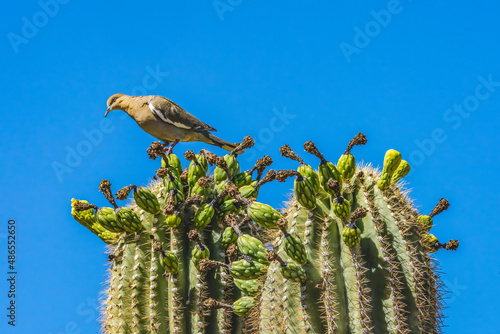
[(172, 146)]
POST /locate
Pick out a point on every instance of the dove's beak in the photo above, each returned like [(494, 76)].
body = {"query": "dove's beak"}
[(107, 111)]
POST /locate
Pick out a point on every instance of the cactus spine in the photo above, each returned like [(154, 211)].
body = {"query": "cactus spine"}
[(196, 253)]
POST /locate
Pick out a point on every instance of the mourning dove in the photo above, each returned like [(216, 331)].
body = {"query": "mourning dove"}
[(165, 120)]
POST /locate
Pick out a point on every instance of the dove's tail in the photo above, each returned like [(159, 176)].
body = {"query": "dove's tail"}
[(213, 140)]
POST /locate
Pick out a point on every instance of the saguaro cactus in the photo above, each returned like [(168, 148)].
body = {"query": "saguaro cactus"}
[(196, 252)]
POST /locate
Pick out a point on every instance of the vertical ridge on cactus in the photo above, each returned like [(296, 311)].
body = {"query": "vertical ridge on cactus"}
[(196, 253)]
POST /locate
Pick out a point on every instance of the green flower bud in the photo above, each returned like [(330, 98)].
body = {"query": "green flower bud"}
[(294, 272), (242, 179), (232, 164), (328, 171), (424, 223), (203, 161), (351, 235), (392, 160), (402, 170), (248, 191), (227, 207), (219, 175), (145, 199), (250, 287), (170, 262), (199, 254), (294, 248), (194, 173), (252, 247), (174, 163), (128, 219), (242, 269), (107, 218), (228, 238), (203, 190), (346, 166), (203, 216), (243, 306), (173, 220), (263, 215), (87, 218), (341, 207), (304, 192), (311, 175)]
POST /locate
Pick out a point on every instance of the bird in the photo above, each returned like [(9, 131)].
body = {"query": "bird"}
[(165, 120)]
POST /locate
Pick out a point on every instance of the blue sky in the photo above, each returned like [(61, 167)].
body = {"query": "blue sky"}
[(422, 77)]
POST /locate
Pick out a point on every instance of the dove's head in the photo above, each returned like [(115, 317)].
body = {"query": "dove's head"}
[(115, 102)]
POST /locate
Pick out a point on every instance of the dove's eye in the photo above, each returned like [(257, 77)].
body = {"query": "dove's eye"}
[(113, 100)]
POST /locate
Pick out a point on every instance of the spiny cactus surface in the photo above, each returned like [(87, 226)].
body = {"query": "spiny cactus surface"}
[(197, 253)]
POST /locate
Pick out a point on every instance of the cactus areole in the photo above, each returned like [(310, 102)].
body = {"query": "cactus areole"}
[(196, 252)]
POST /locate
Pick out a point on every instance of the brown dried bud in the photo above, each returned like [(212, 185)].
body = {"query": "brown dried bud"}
[(211, 158), (270, 176), (335, 186), (81, 206), (210, 303), (451, 245), (232, 191), (272, 256), (194, 236), (282, 175), (204, 182), (184, 176), (440, 207), (195, 199), (282, 224), (358, 213), (246, 143), (359, 139), (105, 188), (190, 156), (309, 147), (152, 152), (169, 206), (162, 172), (206, 264), (157, 246), (287, 152), (231, 220), (232, 253), (221, 163)]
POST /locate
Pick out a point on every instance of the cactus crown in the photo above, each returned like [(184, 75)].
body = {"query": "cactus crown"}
[(197, 253)]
